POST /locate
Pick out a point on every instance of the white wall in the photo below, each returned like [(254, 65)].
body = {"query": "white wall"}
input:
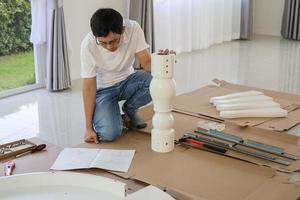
[(77, 18), (267, 16)]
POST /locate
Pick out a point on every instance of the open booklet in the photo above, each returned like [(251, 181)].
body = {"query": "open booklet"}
[(81, 158)]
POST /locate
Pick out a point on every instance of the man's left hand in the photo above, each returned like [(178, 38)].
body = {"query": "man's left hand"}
[(166, 52)]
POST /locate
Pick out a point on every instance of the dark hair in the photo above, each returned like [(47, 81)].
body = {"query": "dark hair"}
[(106, 20)]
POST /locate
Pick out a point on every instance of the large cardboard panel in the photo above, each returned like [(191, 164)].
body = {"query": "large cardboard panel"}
[(202, 175), (42, 161), (193, 174), (282, 124), (187, 124), (197, 102), (276, 189)]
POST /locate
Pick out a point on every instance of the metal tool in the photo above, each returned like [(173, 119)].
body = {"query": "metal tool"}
[(14, 148), (239, 148), (248, 143), (200, 144), (39, 147), (7, 148), (270, 149)]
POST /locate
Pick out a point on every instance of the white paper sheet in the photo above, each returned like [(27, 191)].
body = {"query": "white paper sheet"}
[(116, 160), (79, 158)]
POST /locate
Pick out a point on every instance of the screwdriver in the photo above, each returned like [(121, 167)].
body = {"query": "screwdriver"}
[(205, 145)]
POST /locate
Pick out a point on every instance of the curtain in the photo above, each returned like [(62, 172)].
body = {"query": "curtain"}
[(290, 27), (246, 19), (142, 12), (191, 25), (58, 73), (289, 79), (48, 27), (38, 21)]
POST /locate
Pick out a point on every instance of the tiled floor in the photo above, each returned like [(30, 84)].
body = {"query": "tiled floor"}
[(266, 62)]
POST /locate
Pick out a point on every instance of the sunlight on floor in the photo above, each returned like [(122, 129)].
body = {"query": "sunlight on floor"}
[(21, 124)]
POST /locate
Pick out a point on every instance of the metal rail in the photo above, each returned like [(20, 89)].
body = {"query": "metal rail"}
[(238, 148), (247, 143)]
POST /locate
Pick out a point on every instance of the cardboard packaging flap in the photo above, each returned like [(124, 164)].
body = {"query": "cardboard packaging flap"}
[(197, 102)]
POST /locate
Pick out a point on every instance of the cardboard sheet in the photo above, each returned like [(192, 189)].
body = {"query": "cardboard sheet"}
[(35, 162), (188, 173), (197, 102), (187, 123), (42, 161), (194, 174)]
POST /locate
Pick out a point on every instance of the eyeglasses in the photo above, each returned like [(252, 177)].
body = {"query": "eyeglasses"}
[(112, 42)]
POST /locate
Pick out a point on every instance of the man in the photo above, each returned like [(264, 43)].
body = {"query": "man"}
[(107, 57)]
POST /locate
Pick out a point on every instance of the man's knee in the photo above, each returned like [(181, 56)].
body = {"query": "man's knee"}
[(109, 133), (144, 76)]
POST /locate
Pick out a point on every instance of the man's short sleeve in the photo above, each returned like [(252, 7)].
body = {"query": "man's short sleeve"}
[(88, 65), (141, 42)]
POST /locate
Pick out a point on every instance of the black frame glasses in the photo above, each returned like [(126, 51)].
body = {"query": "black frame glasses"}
[(112, 42)]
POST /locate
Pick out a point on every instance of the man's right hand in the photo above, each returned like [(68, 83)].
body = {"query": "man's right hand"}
[(91, 136)]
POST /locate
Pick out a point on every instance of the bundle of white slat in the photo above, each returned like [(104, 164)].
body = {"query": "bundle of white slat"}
[(248, 99), (236, 95), (247, 104), (265, 112)]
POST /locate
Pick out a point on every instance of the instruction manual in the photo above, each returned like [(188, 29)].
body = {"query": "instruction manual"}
[(82, 158)]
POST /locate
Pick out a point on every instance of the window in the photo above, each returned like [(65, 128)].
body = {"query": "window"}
[(17, 67)]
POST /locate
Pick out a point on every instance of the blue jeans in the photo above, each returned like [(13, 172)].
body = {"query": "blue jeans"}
[(107, 119)]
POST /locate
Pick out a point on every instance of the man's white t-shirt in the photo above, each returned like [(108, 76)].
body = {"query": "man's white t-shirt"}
[(112, 67)]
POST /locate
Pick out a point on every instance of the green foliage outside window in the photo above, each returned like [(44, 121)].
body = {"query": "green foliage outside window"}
[(15, 25)]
